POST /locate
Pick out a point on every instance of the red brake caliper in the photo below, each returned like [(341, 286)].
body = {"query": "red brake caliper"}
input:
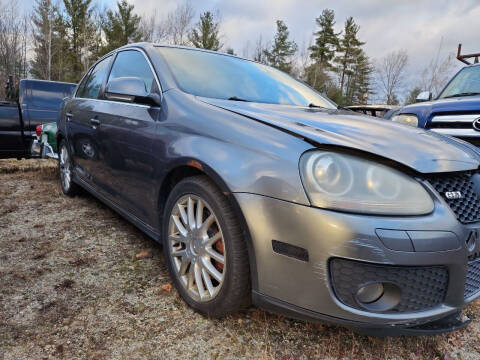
[(219, 247)]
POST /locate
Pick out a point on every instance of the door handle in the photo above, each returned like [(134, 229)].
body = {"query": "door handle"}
[(68, 116), (95, 122)]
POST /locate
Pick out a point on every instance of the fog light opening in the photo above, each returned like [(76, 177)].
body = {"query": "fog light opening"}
[(378, 296), (369, 293)]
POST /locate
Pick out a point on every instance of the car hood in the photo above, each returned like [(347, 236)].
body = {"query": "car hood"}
[(463, 103), (425, 152)]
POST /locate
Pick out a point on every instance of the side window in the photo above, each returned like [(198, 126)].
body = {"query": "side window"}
[(92, 86), (133, 63), (81, 87)]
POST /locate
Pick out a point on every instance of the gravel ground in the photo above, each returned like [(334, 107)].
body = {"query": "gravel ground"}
[(79, 282)]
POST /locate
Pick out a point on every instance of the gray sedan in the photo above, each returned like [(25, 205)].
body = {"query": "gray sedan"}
[(261, 190)]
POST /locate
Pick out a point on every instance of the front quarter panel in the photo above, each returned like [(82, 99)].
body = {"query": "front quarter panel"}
[(248, 156)]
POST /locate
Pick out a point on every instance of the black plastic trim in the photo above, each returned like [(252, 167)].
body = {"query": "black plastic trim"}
[(290, 250), (449, 322)]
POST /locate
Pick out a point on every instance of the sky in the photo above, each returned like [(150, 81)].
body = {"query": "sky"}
[(385, 25)]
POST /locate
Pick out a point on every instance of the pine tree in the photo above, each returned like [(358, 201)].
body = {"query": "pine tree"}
[(62, 67), (120, 27), (43, 22), (326, 40), (82, 35), (205, 34), (412, 95), (358, 85), (348, 50), (259, 51), (282, 50)]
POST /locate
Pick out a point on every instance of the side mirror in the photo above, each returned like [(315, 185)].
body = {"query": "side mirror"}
[(130, 89), (424, 96)]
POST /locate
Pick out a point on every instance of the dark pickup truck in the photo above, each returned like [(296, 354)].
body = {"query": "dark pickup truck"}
[(38, 102)]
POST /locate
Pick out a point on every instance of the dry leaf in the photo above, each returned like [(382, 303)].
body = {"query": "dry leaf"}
[(142, 255), (167, 287)]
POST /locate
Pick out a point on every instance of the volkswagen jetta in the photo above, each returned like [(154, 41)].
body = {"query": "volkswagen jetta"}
[(260, 189)]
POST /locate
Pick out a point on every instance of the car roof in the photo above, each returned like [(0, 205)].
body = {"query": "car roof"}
[(146, 45)]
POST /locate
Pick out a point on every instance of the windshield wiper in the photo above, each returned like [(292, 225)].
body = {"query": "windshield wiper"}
[(462, 94), (312, 105), (234, 98)]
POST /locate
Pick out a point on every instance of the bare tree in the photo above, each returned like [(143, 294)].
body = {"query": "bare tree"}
[(179, 24), (390, 74), (302, 59), (259, 51), (173, 28), (438, 72), (246, 50), (14, 40), (148, 27)]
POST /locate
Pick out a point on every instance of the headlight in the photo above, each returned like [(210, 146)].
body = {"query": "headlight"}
[(344, 182), (406, 119)]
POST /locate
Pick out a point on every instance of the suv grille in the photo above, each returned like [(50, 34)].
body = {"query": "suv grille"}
[(422, 287), (467, 208), (450, 125), (472, 284)]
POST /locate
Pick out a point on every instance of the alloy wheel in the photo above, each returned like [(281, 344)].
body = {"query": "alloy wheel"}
[(65, 168), (197, 247)]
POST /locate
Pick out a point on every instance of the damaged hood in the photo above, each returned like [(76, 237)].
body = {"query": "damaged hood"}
[(423, 151)]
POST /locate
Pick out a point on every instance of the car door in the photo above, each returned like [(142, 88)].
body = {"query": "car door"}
[(11, 139), (125, 136), (81, 123)]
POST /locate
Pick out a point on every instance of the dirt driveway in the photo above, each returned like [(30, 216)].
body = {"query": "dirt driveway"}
[(71, 287)]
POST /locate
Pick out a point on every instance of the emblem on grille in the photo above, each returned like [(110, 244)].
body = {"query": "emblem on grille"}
[(476, 124), (453, 195)]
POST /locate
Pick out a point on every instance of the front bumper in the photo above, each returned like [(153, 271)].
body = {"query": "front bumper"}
[(303, 281)]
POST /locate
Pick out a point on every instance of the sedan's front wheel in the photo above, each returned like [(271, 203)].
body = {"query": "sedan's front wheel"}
[(204, 248)]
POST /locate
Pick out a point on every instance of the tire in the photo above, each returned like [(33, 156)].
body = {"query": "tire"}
[(233, 292), (65, 170)]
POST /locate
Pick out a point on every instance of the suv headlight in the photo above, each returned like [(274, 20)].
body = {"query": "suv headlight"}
[(406, 119), (344, 182)]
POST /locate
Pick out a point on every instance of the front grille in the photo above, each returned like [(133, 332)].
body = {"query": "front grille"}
[(472, 283), (467, 209), (422, 287), (450, 125)]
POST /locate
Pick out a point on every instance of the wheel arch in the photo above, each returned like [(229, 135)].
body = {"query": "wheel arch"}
[(189, 167)]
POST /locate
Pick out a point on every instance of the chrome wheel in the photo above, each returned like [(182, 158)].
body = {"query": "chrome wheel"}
[(65, 168), (197, 248)]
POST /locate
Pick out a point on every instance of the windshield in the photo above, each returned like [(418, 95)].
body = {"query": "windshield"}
[(466, 82), (224, 77)]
